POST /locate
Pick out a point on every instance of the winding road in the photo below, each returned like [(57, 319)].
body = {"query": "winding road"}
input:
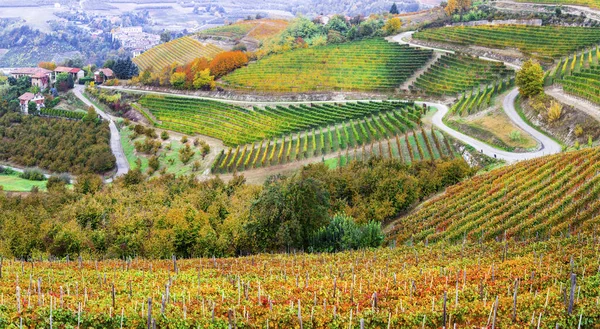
[(115, 138)]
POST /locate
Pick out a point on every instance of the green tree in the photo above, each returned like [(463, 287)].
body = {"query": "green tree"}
[(203, 80), (530, 79), (178, 80), (337, 23), (91, 116), (394, 9), (32, 108)]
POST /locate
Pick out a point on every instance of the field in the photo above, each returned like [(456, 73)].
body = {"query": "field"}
[(373, 137), (17, 184), (453, 74), (236, 125), (580, 75), (368, 65), (261, 29), (543, 42), (495, 284), (587, 3), (180, 51), (551, 196)]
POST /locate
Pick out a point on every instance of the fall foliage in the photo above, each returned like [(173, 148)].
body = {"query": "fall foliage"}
[(457, 6)]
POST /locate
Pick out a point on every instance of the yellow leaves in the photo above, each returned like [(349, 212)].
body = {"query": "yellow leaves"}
[(454, 6), (392, 26), (554, 111)]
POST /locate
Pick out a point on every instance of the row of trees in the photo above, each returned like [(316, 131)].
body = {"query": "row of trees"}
[(178, 215), (197, 74)]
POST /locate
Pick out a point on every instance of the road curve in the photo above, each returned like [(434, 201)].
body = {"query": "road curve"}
[(115, 139), (548, 146)]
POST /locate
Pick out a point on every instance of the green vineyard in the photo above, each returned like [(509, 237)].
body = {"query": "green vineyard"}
[(236, 125), (544, 42), (453, 74), (587, 3), (57, 113), (579, 75), (377, 136), (368, 65), (481, 99), (549, 196), (180, 51)]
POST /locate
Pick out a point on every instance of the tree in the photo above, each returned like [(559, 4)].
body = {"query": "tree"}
[(64, 82), (47, 65), (554, 111), (337, 23), (32, 108), (226, 62), (530, 79), (109, 64), (165, 36), (91, 116), (457, 6), (178, 80), (394, 9), (392, 26), (203, 80), (124, 68)]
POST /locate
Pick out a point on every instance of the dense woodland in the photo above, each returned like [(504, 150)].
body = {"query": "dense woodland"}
[(58, 145), (167, 215)]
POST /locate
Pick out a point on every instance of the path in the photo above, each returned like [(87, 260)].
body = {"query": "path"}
[(413, 78), (580, 104), (518, 6), (115, 138)]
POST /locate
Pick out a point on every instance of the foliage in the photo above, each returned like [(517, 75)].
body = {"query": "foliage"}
[(32, 174), (554, 111), (457, 6), (64, 82), (343, 233), (179, 51), (530, 79), (55, 144), (227, 62), (185, 154), (392, 26)]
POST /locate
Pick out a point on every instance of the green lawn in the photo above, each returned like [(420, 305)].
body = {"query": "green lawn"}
[(15, 183)]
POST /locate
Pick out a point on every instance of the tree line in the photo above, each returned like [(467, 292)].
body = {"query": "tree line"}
[(316, 209)]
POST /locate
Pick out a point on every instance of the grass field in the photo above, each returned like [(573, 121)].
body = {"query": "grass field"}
[(368, 65), (543, 42), (15, 183), (180, 51)]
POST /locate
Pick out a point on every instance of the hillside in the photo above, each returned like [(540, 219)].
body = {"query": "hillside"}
[(368, 65), (258, 29), (547, 197), (180, 51)]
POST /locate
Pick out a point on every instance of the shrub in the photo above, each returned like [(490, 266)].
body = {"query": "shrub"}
[(578, 130), (186, 154), (154, 163), (554, 111), (57, 182), (164, 135), (32, 174), (343, 233)]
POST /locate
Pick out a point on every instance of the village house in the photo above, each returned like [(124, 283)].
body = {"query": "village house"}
[(102, 75), (40, 77), (76, 73), (27, 98)]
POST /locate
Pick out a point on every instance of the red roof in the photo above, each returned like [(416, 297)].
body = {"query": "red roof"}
[(107, 72), (26, 97), (64, 69), (30, 71)]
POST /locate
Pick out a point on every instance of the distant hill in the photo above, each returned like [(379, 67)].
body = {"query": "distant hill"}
[(180, 51)]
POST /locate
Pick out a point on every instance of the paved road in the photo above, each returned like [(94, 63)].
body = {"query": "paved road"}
[(115, 139)]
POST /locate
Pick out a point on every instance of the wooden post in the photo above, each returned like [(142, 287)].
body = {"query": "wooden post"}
[(514, 315), (1, 261), (149, 324), (444, 314), (495, 312), (300, 315), (572, 294), (230, 318), (113, 296)]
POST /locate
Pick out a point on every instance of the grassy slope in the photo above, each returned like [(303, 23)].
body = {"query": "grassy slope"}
[(16, 184)]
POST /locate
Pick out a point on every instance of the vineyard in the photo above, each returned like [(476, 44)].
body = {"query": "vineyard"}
[(557, 195), (181, 51), (453, 74), (496, 284), (368, 65), (579, 75), (373, 137), (236, 125), (481, 99), (588, 3), (544, 42), (260, 29)]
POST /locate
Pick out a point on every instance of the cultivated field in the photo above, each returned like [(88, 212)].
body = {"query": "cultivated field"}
[(587, 3), (544, 42), (179, 51), (369, 65), (453, 74)]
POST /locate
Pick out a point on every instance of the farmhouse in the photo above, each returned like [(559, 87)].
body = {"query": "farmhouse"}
[(76, 73), (40, 77), (27, 98), (102, 75)]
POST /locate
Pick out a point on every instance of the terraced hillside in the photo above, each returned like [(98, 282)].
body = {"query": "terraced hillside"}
[(453, 74), (235, 125), (480, 99), (584, 83), (554, 196), (368, 65), (179, 51), (380, 135), (544, 42), (260, 29)]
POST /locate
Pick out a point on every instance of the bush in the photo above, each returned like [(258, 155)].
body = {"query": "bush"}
[(554, 111), (164, 135), (149, 146), (185, 154), (6, 171), (343, 233), (57, 182), (32, 174), (154, 163)]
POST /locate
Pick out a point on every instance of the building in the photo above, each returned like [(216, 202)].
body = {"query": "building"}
[(27, 98), (102, 75), (134, 39), (76, 73), (40, 77)]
